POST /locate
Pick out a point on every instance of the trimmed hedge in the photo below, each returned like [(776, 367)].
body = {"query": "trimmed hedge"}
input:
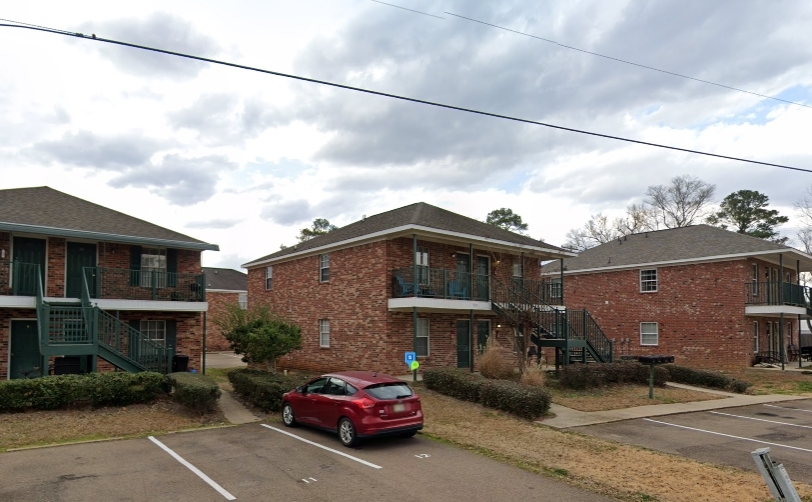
[(59, 391), (521, 400), (705, 378), (263, 389), (586, 376), (194, 390)]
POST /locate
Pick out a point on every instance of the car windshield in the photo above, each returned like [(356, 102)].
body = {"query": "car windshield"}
[(393, 390)]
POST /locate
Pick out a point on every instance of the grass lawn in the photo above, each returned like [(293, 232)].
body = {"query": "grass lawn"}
[(623, 396), (37, 428), (624, 472), (768, 381)]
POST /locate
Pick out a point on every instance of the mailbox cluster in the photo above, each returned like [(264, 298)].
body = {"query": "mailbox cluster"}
[(655, 359)]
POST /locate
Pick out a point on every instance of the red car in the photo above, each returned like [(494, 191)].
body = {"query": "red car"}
[(356, 404)]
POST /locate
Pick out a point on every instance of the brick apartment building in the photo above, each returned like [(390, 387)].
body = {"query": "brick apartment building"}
[(224, 286), (415, 278), (710, 297), (86, 288)]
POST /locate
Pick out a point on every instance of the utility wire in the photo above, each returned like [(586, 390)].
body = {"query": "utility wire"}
[(388, 95), (410, 10), (628, 62)]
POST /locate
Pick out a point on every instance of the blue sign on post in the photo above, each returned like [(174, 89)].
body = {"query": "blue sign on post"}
[(409, 357)]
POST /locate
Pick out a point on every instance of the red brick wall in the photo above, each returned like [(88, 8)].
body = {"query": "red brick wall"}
[(5, 270), (363, 333), (55, 283), (699, 310), (215, 341)]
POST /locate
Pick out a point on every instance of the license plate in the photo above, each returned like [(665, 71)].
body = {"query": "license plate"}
[(397, 408)]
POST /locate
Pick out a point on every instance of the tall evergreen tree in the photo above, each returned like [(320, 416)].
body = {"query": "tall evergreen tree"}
[(746, 212)]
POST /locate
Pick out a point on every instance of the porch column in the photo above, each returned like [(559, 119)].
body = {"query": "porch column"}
[(781, 280), (781, 337), (414, 277), (471, 340), (414, 339), (561, 278), (471, 270), (799, 342)]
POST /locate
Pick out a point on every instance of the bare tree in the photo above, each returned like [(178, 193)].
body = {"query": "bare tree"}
[(598, 230), (639, 218), (804, 207), (679, 203)]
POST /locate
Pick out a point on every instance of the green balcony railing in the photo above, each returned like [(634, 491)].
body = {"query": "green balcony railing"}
[(439, 283), (777, 293), (130, 343), (119, 283), (18, 279)]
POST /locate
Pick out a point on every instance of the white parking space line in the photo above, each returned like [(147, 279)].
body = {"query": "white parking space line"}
[(370, 464), (785, 408), (761, 420), (194, 469), (729, 436)]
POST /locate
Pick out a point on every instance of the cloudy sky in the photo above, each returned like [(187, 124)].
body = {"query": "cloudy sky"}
[(245, 160)]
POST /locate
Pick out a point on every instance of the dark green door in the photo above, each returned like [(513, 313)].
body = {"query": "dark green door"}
[(28, 253), (463, 345), (26, 361), (80, 255), (483, 330)]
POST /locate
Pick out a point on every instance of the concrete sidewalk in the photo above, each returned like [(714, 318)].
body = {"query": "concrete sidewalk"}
[(233, 410), (567, 417)]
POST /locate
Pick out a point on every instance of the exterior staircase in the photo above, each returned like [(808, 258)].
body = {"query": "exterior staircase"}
[(82, 329), (574, 334)]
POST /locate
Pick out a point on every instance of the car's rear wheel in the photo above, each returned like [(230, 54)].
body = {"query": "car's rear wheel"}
[(346, 432), (288, 418)]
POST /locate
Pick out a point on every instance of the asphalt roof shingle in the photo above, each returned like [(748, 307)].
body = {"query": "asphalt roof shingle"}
[(225, 278), (415, 214), (686, 243), (46, 207)]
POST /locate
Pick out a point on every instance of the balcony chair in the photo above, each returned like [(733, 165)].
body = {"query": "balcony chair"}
[(406, 288)]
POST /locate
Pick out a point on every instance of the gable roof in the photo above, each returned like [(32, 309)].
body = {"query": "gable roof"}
[(225, 278), (686, 244), (45, 210), (423, 219)]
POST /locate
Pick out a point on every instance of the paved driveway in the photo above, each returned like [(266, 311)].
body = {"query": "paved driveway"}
[(268, 462), (726, 436)]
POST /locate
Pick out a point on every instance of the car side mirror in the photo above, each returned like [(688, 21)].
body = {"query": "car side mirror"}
[(301, 390)]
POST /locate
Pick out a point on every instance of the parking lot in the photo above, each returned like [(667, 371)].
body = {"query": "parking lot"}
[(726, 436), (268, 462)]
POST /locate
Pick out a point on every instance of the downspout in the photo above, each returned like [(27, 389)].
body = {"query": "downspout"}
[(781, 302), (204, 343), (414, 308), (801, 299), (471, 312), (414, 258)]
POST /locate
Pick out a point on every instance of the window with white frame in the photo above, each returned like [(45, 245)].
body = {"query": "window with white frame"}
[(649, 333), (755, 336), (324, 333), (268, 278), (324, 268), (755, 280), (153, 264), (422, 347), (154, 330), (421, 258), (242, 299), (648, 281), (517, 269)]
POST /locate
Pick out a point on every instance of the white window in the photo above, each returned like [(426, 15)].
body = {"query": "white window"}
[(649, 334), (268, 278), (755, 280), (154, 330), (517, 269), (422, 338), (422, 260), (324, 268), (153, 263), (555, 288), (324, 333), (755, 336), (242, 299), (648, 281)]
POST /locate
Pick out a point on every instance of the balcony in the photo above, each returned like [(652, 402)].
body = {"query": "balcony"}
[(154, 285), (18, 279), (767, 298)]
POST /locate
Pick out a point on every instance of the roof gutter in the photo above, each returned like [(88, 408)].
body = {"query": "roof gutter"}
[(726, 257), (411, 228), (102, 236)]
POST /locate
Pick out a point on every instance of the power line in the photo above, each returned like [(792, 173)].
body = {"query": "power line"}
[(629, 62), (388, 95), (410, 10)]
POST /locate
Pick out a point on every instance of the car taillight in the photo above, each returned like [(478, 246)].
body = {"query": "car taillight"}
[(363, 403)]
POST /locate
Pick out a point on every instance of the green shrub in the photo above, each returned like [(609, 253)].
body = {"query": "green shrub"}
[(457, 383), (194, 391), (59, 391), (587, 376), (705, 378), (521, 400), (263, 389), (121, 389)]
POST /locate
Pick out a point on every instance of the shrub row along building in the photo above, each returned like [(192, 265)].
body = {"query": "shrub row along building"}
[(85, 288)]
